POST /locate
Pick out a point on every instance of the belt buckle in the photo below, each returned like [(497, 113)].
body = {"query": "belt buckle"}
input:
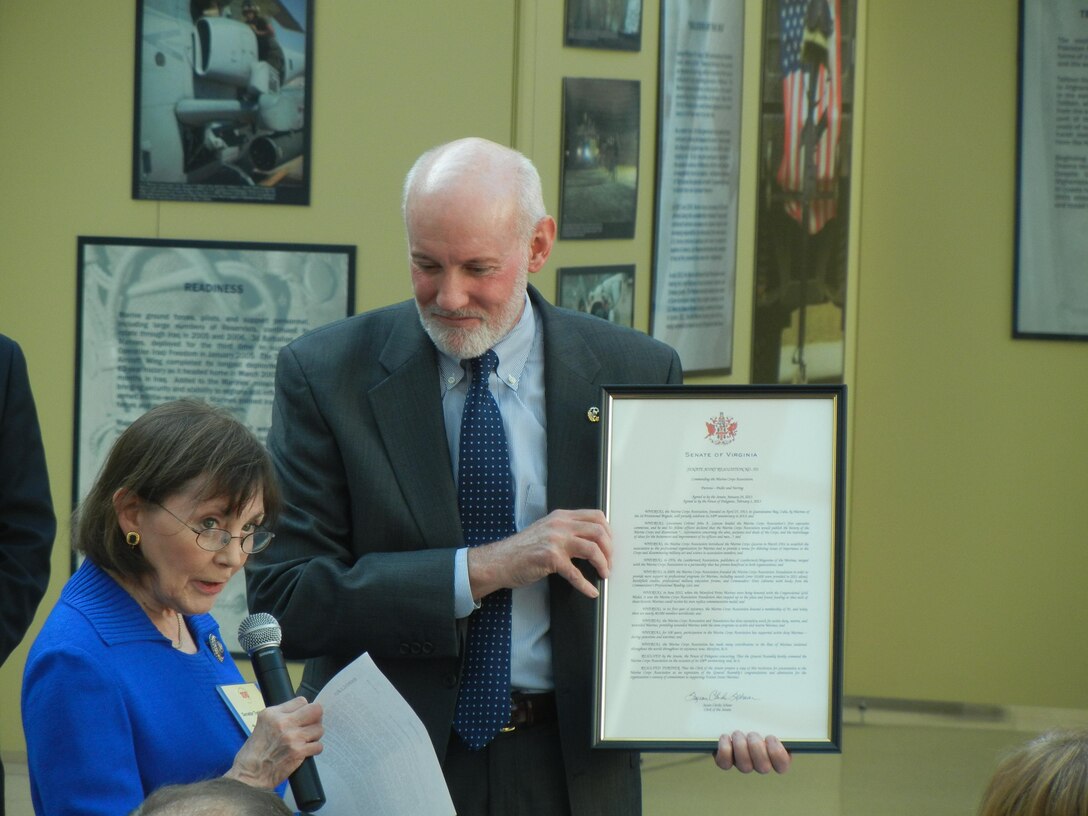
[(510, 724)]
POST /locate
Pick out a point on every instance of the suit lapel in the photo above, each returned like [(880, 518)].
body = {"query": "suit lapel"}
[(407, 408), (572, 374), (571, 388)]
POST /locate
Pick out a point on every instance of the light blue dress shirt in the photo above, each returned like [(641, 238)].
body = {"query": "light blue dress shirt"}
[(518, 386)]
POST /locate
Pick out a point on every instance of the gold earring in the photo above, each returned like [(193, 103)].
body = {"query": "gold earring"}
[(132, 539)]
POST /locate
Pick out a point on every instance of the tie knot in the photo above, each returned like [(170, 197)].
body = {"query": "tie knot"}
[(483, 365)]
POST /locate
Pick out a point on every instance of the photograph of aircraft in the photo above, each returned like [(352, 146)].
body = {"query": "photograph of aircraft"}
[(221, 110)]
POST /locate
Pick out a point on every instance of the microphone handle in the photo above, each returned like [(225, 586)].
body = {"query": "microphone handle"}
[(275, 683)]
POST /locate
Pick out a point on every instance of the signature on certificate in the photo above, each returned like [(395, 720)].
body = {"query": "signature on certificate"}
[(718, 694)]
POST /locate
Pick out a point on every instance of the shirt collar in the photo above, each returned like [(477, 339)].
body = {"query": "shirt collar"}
[(513, 351)]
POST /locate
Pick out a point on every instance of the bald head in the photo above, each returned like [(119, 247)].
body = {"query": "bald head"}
[(213, 797), (476, 230), (478, 173)]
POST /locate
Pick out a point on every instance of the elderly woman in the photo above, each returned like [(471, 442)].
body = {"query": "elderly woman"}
[(120, 693)]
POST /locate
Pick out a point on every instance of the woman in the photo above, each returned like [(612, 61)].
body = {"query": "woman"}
[(120, 692)]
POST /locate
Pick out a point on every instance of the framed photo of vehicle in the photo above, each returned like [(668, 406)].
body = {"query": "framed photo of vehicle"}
[(221, 108)]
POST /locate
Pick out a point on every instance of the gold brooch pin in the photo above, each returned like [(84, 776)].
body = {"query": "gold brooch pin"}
[(594, 414)]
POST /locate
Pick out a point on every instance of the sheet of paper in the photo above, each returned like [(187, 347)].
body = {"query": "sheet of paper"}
[(378, 758)]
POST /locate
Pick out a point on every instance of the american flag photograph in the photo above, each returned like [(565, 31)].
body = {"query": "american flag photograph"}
[(804, 180)]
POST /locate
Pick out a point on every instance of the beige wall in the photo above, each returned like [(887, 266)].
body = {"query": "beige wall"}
[(968, 449), (967, 539)]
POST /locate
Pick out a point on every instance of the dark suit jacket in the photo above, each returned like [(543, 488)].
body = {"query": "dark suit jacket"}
[(27, 523), (363, 559)]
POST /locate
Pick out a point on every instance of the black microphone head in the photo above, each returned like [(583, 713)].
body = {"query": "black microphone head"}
[(259, 631)]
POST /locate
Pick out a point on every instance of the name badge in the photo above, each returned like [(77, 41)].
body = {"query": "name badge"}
[(244, 701)]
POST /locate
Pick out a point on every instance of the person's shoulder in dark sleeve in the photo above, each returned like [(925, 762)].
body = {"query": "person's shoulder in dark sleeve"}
[(27, 521)]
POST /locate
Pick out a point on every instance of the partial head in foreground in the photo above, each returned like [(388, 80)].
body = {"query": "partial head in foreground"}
[(1047, 776), (213, 797)]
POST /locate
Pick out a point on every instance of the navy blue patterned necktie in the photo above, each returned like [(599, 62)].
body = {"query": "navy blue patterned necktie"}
[(485, 494)]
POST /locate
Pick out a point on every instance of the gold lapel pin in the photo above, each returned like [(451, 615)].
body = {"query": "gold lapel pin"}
[(594, 414)]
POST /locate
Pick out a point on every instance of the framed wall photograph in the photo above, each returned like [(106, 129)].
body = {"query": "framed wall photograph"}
[(616, 24), (598, 187), (222, 101), (159, 320), (803, 197), (607, 292), (1051, 286)]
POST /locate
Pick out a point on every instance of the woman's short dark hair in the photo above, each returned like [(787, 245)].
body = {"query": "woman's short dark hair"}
[(159, 455)]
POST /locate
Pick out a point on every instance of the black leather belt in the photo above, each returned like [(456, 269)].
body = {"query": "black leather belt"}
[(527, 710)]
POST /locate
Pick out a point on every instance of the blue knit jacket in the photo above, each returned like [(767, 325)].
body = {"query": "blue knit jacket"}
[(111, 711)]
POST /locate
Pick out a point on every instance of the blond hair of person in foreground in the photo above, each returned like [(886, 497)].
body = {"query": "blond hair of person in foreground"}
[(1047, 776)]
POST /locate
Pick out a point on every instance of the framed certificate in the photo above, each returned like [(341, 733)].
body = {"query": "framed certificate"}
[(723, 607)]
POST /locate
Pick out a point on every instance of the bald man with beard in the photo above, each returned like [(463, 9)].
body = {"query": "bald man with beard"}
[(370, 554)]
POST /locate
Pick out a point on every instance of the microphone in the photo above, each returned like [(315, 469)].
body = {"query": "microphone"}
[(260, 636)]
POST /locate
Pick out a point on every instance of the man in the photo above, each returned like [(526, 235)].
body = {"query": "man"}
[(27, 522), (268, 47), (371, 553)]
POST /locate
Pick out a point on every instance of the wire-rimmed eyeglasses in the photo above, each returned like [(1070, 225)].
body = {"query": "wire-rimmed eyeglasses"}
[(214, 539)]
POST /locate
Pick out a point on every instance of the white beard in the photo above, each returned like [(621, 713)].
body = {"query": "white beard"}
[(464, 344)]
